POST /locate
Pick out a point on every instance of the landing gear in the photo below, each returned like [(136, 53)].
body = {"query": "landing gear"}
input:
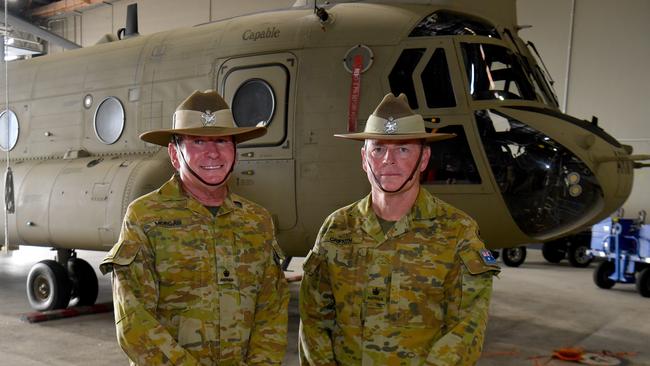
[(513, 257), (84, 282), (578, 252), (574, 248), (553, 252), (48, 286), (51, 284)]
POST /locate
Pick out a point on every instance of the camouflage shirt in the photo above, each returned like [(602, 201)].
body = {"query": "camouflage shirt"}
[(418, 294), (190, 288)]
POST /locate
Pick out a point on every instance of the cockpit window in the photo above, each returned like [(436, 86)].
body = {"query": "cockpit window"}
[(544, 185), (451, 160), (494, 72), (401, 77), (437, 83), (447, 23)]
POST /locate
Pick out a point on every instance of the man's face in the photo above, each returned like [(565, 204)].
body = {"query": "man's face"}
[(392, 162), (209, 157)]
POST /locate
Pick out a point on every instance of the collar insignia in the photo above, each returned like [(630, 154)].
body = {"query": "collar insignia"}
[(390, 127), (208, 118)]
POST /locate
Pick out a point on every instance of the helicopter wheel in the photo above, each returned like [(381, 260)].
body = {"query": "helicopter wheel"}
[(84, 282), (578, 253), (48, 286), (514, 257), (553, 251)]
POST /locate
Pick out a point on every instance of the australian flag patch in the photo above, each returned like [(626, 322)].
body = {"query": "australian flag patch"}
[(487, 257)]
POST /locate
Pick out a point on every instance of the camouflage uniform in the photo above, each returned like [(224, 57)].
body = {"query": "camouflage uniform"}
[(193, 289), (418, 294)]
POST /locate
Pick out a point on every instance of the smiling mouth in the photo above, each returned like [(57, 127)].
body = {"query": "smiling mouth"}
[(212, 167)]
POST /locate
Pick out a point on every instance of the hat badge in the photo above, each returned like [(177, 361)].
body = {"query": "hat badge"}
[(208, 118), (390, 127)]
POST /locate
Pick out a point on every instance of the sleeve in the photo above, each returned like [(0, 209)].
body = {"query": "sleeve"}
[(317, 310), (135, 295), (268, 340), (468, 293)]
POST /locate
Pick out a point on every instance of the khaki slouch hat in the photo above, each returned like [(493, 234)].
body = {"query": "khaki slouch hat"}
[(393, 119), (203, 114)]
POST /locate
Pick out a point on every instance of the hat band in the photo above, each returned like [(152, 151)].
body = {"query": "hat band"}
[(405, 125), (193, 119)]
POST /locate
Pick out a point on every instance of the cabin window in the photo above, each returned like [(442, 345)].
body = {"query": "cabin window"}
[(8, 129), (253, 104), (400, 78), (437, 82), (544, 185), (493, 72), (447, 23), (451, 160), (109, 120)]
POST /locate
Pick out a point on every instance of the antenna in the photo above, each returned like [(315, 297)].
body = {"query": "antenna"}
[(131, 29)]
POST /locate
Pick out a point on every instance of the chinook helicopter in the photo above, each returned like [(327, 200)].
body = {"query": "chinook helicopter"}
[(523, 169)]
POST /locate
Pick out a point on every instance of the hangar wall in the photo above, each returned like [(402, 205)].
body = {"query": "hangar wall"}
[(595, 50)]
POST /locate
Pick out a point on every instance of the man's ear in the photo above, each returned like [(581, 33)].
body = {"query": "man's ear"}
[(426, 154), (363, 158), (173, 154)]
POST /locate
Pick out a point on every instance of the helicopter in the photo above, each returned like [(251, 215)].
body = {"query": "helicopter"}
[(523, 169)]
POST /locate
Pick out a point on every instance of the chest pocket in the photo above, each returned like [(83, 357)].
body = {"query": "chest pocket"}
[(182, 262), (417, 288)]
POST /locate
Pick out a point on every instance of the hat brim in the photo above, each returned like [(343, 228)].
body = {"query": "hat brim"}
[(429, 137), (239, 134)]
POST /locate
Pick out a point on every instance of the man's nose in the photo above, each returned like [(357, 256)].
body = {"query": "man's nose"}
[(389, 157)]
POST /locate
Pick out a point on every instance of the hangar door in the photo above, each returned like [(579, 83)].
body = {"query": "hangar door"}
[(259, 91)]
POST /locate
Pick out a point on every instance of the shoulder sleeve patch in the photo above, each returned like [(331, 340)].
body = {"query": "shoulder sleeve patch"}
[(479, 261), (122, 253)]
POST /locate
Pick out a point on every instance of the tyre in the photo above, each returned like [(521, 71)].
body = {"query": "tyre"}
[(578, 253), (84, 282), (513, 257), (643, 282), (48, 286), (602, 273), (553, 251)]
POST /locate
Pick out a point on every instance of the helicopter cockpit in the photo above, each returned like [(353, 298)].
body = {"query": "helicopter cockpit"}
[(543, 183)]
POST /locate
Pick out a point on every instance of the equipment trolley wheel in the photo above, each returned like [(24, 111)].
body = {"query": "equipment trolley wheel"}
[(643, 282), (602, 273)]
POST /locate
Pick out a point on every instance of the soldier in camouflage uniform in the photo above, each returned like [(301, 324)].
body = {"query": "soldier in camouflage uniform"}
[(399, 277), (196, 271)]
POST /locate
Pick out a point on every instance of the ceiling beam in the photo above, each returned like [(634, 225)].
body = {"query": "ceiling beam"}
[(62, 6), (39, 32)]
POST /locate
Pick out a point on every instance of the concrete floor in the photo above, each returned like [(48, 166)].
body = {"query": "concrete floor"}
[(535, 309)]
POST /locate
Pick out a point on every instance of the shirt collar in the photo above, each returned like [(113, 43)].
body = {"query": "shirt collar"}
[(172, 190), (424, 209)]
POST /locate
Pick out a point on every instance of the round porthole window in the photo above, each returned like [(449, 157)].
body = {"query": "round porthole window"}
[(253, 104), (8, 129), (109, 120)]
